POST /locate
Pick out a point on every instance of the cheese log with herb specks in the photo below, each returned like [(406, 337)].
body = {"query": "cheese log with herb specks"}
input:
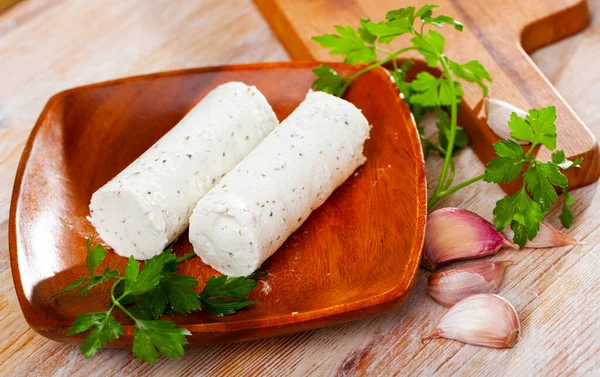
[(148, 205), (246, 217)]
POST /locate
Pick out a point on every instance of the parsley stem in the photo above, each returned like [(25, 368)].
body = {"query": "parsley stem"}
[(442, 152), (453, 120), (461, 185), (450, 176), (185, 257), (116, 302), (531, 148), (373, 66), (383, 50), (439, 195)]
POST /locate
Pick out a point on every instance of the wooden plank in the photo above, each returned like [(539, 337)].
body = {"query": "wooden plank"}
[(555, 291), (493, 30)]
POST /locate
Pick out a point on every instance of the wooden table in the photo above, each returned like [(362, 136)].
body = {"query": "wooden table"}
[(50, 45)]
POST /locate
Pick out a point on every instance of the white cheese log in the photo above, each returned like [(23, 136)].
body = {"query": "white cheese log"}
[(148, 205), (245, 218)]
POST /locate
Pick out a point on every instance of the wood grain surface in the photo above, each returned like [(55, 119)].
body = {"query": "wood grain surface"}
[(5, 4), (555, 291), (348, 268), (492, 37)]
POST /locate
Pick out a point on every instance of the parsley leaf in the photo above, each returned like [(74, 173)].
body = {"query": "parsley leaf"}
[(364, 33), (232, 290), (441, 20), (472, 71), (538, 127), (349, 43), (91, 282), (228, 287), (566, 216), (221, 308), (399, 76), (165, 336), (519, 128), (540, 179), (430, 47), (521, 213), (178, 288), (542, 123), (71, 286), (105, 328), (558, 157), (508, 164), (443, 125), (425, 11), (144, 309), (97, 280), (132, 270), (95, 255), (150, 275), (387, 31), (431, 91), (328, 81), (407, 13)]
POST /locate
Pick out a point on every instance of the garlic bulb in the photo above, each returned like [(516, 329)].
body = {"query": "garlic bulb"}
[(549, 236), (455, 233), (498, 114), (482, 320), (450, 286)]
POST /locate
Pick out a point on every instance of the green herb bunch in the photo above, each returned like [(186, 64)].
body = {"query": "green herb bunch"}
[(145, 294), (523, 211)]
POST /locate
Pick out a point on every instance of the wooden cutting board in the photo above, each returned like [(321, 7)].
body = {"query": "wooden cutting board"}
[(497, 33)]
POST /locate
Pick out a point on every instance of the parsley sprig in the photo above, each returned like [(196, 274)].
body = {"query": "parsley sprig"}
[(145, 294), (427, 92), (522, 211)]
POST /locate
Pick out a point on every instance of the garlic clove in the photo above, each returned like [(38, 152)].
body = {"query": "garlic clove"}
[(450, 286), (549, 236), (482, 320), (454, 233), (498, 115)]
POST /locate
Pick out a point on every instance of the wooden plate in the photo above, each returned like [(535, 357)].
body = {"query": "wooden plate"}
[(355, 256)]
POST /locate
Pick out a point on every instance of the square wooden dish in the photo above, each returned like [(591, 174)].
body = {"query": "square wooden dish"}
[(356, 255)]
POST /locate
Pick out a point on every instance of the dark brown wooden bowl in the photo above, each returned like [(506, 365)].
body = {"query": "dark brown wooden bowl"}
[(355, 256)]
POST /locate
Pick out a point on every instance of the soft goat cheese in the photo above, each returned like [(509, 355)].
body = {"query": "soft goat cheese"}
[(148, 205), (245, 218)]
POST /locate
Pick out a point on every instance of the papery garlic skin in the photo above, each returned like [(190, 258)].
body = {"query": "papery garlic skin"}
[(450, 286), (549, 236), (455, 233), (482, 320), (498, 115)]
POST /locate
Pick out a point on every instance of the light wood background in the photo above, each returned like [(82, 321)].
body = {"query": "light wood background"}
[(50, 45)]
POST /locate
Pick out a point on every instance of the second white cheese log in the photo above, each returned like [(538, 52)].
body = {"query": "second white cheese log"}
[(148, 205), (245, 218)]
